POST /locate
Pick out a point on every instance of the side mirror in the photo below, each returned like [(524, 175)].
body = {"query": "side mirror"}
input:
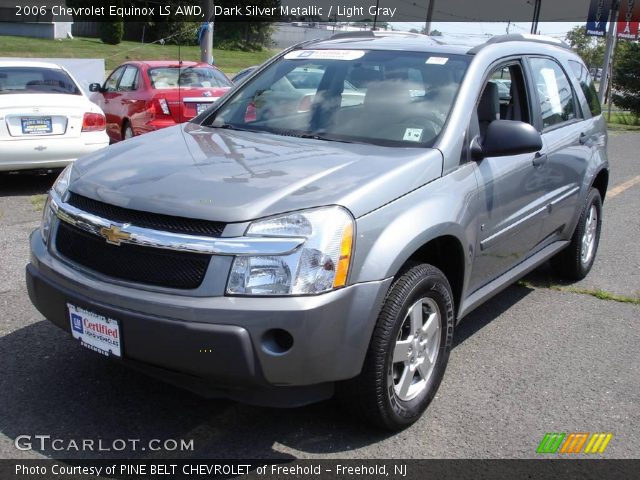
[(95, 87), (507, 137)]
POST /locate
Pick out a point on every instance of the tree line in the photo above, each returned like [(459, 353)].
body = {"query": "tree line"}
[(232, 33)]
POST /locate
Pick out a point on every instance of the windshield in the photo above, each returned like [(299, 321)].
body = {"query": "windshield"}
[(36, 80), (380, 97), (163, 78)]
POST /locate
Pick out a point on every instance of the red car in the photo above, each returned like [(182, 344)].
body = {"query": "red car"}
[(140, 97)]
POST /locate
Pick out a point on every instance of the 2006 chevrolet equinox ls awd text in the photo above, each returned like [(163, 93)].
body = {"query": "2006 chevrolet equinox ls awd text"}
[(301, 238)]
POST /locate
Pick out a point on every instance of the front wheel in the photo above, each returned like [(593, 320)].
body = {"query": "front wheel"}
[(408, 352), (575, 261)]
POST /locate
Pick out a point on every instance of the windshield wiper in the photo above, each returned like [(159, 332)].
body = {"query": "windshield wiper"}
[(228, 126), (315, 136)]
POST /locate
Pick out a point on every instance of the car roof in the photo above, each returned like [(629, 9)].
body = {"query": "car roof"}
[(167, 63), (376, 41), (407, 41), (28, 63)]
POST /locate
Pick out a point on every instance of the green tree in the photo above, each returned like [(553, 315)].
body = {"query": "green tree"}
[(111, 32), (591, 49), (626, 77)]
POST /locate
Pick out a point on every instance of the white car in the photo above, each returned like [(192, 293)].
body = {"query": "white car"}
[(46, 121)]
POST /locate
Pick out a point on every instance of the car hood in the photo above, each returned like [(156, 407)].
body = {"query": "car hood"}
[(235, 176)]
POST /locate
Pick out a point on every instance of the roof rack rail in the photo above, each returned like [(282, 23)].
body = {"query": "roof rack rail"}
[(374, 33), (365, 33), (521, 37)]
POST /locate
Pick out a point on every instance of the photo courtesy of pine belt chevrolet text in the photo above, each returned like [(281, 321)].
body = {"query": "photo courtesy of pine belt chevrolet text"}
[(323, 228)]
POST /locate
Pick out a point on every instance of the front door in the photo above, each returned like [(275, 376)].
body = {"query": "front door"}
[(512, 210)]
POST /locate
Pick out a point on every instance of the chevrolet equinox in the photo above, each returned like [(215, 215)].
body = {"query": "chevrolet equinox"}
[(324, 226)]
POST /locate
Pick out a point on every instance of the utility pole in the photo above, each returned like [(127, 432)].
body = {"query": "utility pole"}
[(536, 16), (427, 23), (375, 18), (608, 54), (206, 45)]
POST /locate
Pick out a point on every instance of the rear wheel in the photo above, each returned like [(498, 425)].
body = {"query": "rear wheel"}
[(408, 352), (575, 261)]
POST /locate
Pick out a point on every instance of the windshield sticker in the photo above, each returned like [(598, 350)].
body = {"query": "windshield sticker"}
[(324, 54), (436, 60), (412, 134)]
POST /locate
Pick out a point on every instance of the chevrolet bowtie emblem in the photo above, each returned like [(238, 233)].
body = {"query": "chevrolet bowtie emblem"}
[(114, 235)]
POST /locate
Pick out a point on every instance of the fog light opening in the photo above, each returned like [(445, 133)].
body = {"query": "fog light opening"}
[(277, 341)]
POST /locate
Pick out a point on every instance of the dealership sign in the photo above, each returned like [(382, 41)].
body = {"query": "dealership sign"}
[(598, 16), (629, 19)]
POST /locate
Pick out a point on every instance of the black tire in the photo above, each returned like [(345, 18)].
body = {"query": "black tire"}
[(372, 394), (569, 263)]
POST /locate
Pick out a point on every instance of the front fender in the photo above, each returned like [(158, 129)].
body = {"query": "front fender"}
[(390, 235)]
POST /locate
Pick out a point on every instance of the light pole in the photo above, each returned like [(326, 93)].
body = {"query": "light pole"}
[(206, 45), (427, 23), (608, 55), (536, 16)]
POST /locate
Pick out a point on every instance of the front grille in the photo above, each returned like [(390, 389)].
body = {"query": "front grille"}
[(156, 221), (152, 266)]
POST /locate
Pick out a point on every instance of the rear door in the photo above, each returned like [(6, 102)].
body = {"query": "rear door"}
[(566, 138)]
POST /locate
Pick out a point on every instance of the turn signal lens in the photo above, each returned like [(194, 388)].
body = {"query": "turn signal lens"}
[(345, 256)]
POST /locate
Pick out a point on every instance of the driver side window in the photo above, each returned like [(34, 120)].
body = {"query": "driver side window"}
[(112, 82), (504, 97)]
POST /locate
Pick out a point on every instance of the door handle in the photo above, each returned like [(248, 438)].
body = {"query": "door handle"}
[(539, 159)]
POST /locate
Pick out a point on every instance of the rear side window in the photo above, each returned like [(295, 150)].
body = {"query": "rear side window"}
[(163, 78), (587, 86), (554, 92)]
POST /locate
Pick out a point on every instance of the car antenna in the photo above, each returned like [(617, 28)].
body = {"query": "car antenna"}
[(180, 106)]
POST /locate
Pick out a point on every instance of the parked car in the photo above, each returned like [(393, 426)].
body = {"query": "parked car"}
[(46, 121), (140, 97), (280, 257), (238, 77), (296, 91)]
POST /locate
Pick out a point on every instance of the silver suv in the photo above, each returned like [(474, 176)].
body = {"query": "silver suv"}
[(302, 238)]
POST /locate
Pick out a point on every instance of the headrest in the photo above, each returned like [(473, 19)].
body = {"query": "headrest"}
[(361, 76), (489, 106), (387, 94)]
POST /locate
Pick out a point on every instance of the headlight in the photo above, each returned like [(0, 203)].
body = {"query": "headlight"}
[(47, 214), (60, 187), (319, 265)]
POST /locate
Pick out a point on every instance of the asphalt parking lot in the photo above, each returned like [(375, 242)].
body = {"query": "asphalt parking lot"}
[(539, 357)]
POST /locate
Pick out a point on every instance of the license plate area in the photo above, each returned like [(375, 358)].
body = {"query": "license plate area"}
[(95, 332), (36, 126)]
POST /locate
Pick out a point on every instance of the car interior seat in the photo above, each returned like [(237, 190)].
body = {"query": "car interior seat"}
[(489, 107)]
